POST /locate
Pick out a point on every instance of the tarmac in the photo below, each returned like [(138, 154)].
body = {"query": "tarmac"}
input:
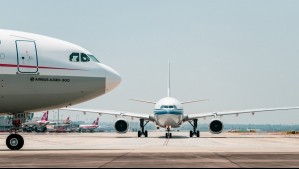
[(112, 150)]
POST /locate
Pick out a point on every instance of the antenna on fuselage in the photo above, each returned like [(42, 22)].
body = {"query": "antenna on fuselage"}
[(168, 94)]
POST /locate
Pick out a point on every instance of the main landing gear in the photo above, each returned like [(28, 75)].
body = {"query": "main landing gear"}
[(15, 141), (142, 132), (195, 132)]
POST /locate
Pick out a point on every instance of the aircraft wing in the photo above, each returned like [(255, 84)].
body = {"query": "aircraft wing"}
[(217, 114), (113, 112)]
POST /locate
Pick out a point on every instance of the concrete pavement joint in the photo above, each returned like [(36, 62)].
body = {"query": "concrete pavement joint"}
[(228, 160), (118, 157)]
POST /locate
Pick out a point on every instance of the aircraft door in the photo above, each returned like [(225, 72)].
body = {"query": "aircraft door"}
[(27, 56)]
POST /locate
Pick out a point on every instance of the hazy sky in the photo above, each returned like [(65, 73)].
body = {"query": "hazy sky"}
[(239, 54)]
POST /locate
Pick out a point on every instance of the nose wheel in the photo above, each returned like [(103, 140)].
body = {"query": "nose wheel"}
[(168, 134)]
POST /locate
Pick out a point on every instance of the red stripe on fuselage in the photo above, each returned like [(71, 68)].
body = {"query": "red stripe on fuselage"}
[(34, 67)]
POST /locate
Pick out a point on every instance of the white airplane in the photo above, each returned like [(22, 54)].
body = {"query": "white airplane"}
[(67, 121), (38, 125), (91, 127), (42, 121), (40, 73), (169, 114)]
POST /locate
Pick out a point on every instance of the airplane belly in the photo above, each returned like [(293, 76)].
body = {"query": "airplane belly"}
[(169, 120), (31, 93)]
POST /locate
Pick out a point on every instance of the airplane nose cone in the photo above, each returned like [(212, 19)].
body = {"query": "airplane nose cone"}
[(113, 79)]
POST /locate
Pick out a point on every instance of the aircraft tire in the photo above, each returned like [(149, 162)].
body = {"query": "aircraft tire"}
[(14, 142), (191, 133)]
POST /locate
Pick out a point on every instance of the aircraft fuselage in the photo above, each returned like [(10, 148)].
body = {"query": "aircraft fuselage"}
[(40, 73)]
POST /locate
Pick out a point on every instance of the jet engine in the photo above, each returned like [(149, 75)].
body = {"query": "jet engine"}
[(216, 126), (121, 126)]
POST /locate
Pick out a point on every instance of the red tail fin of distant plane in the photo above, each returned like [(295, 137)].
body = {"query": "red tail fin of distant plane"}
[(45, 116), (97, 121), (67, 121)]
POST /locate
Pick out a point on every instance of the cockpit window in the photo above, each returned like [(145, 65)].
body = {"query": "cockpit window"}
[(77, 57), (74, 57), (168, 107), (84, 58), (93, 58)]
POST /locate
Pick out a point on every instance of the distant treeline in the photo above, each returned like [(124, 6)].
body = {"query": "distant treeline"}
[(239, 127)]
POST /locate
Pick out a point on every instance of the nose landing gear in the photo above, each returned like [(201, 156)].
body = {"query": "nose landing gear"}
[(168, 134), (15, 141)]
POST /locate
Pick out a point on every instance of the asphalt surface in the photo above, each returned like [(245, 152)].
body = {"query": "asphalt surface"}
[(110, 150)]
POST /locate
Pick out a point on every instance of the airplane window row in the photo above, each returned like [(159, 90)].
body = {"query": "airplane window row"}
[(82, 57), (169, 107)]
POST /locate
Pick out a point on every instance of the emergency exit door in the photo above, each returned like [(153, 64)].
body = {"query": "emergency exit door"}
[(27, 56)]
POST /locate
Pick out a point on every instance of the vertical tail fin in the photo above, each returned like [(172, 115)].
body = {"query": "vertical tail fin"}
[(67, 121), (45, 116), (97, 121), (168, 93)]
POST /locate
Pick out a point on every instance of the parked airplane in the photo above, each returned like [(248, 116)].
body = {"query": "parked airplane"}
[(91, 127), (43, 120), (39, 126), (67, 121), (169, 114), (41, 73), (65, 126)]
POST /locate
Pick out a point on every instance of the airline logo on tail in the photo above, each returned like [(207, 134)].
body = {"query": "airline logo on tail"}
[(44, 119), (96, 122), (45, 116)]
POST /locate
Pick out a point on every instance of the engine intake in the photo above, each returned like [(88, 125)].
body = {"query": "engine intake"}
[(121, 126), (216, 126)]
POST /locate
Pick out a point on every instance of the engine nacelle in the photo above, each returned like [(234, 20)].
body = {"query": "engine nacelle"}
[(121, 126), (216, 126)]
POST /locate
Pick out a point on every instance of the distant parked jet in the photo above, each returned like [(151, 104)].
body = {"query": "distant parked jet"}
[(91, 127)]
